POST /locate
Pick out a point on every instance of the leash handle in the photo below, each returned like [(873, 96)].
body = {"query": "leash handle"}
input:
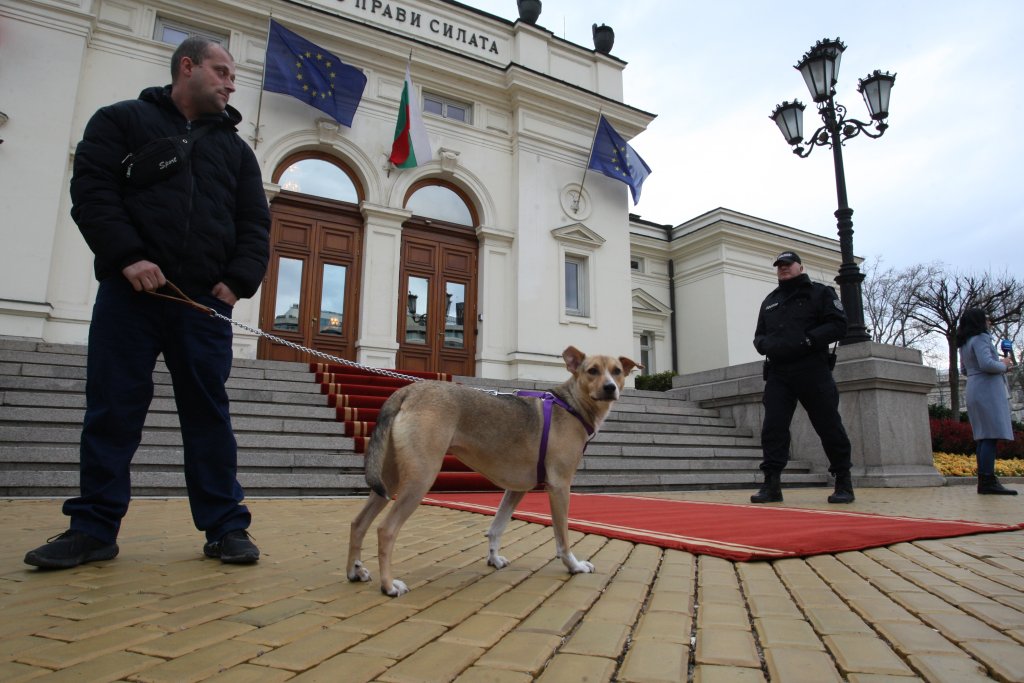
[(182, 298)]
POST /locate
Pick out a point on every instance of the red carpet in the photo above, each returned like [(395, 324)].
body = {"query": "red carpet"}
[(730, 531), (357, 395)]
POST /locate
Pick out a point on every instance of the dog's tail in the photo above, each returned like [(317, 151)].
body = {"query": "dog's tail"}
[(379, 442)]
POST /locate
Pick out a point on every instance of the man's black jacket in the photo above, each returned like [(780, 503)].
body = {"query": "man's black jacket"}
[(208, 223), (796, 312)]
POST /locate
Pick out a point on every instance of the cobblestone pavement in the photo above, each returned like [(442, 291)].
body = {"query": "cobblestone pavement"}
[(946, 610)]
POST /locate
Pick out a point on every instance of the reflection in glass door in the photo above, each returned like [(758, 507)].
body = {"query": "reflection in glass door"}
[(454, 318), (418, 300), (289, 294), (332, 299)]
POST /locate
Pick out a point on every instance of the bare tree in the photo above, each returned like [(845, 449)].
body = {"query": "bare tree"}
[(941, 300), (889, 301)]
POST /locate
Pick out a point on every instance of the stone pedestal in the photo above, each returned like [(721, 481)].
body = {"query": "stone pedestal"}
[(883, 398)]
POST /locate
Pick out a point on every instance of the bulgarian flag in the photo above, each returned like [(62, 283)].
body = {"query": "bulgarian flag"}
[(412, 146)]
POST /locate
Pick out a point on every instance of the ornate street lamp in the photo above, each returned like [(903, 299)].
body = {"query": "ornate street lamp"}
[(820, 69)]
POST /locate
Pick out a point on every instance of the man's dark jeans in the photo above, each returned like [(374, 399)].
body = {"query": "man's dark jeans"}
[(129, 330)]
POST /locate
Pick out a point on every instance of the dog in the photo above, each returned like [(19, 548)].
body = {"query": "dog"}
[(499, 436)]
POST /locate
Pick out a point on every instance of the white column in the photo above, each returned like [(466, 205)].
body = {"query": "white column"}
[(377, 344), (496, 308)]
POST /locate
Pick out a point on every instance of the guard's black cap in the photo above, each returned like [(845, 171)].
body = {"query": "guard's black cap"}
[(787, 257)]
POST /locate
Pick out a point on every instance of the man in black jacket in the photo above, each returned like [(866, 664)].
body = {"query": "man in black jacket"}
[(204, 228), (797, 323)]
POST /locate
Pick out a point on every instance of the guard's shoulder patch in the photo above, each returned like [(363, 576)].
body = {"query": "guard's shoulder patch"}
[(838, 304)]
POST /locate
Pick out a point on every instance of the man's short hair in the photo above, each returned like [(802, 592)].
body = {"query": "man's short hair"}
[(195, 48)]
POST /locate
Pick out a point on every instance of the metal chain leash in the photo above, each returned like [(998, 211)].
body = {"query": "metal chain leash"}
[(319, 354), (183, 298)]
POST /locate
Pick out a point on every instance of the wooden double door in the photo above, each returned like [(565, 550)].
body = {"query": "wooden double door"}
[(311, 295), (311, 292), (437, 316)]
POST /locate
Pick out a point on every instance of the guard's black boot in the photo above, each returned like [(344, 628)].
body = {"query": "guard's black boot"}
[(844, 489), (771, 489), (988, 485)]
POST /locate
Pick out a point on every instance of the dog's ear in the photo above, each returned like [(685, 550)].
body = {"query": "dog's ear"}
[(573, 358), (629, 365)]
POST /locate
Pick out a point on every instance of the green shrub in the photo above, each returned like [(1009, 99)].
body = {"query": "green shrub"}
[(661, 381)]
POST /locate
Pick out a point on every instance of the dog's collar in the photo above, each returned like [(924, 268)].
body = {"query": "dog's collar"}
[(549, 401)]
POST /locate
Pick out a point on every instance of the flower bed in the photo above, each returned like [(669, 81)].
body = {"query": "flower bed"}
[(953, 436), (956, 465)]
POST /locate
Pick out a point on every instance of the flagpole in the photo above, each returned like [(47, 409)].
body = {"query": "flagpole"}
[(263, 81), (593, 137)]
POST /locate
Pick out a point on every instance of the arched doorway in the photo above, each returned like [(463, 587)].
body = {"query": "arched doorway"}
[(311, 294), (437, 310)]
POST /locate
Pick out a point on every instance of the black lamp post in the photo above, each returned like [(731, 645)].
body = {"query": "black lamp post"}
[(820, 69)]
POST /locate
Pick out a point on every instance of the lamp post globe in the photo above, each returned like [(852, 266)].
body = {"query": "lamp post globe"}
[(820, 69)]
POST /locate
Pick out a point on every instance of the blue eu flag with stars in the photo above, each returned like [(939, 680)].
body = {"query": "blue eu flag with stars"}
[(612, 156), (297, 67)]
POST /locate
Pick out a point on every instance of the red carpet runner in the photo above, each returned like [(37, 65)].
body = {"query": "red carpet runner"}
[(730, 531), (357, 395)]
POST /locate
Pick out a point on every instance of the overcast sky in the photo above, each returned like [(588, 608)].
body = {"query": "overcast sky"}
[(943, 184)]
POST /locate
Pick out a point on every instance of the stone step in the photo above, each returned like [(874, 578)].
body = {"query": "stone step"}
[(291, 444)]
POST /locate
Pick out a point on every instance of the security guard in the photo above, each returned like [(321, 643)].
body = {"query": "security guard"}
[(797, 323)]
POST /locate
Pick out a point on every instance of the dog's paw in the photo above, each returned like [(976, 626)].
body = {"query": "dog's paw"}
[(581, 568), (497, 561), (358, 573), (397, 588)]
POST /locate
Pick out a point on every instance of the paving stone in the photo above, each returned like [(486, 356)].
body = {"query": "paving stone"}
[(571, 667), (772, 606), (723, 616), (311, 650), (1005, 659), (881, 609), (449, 612), (786, 633), (709, 673), (200, 664), (481, 630), (863, 654), (615, 610), (949, 669), (911, 639), (251, 673), (377, 619), (434, 663), (552, 617), (726, 646), (597, 638), (514, 604), (800, 666), (97, 626), (399, 641), (671, 601), (62, 655), (480, 674), (13, 672), (287, 630), (349, 668), (181, 643), (521, 651), (200, 614), (109, 667), (961, 627), (671, 627), (996, 615), (654, 661), (270, 613)]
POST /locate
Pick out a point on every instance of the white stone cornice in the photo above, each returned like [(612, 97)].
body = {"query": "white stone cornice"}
[(384, 215), (578, 234)]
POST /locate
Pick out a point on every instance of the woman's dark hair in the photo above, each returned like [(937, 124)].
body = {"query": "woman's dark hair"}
[(971, 323)]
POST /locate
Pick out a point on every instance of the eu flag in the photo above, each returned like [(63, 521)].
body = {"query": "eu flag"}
[(297, 67), (613, 157)]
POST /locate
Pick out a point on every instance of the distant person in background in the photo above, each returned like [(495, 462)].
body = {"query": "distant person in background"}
[(987, 406)]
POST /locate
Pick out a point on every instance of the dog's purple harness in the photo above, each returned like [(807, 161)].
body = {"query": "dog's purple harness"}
[(549, 401)]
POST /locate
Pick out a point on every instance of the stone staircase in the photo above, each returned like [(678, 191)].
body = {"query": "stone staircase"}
[(290, 443)]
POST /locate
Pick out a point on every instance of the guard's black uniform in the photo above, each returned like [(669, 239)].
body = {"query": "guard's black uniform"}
[(797, 323)]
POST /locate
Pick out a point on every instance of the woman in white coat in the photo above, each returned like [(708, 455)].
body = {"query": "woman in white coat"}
[(987, 405)]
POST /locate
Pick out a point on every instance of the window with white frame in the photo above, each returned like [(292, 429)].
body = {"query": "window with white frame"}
[(447, 108), (175, 32), (576, 285), (636, 264), (647, 352)]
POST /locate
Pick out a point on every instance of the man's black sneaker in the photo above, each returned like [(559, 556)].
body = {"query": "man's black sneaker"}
[(234, 547), (70, 549)]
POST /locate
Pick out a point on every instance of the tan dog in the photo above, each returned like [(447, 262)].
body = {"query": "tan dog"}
[(498, 436)]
